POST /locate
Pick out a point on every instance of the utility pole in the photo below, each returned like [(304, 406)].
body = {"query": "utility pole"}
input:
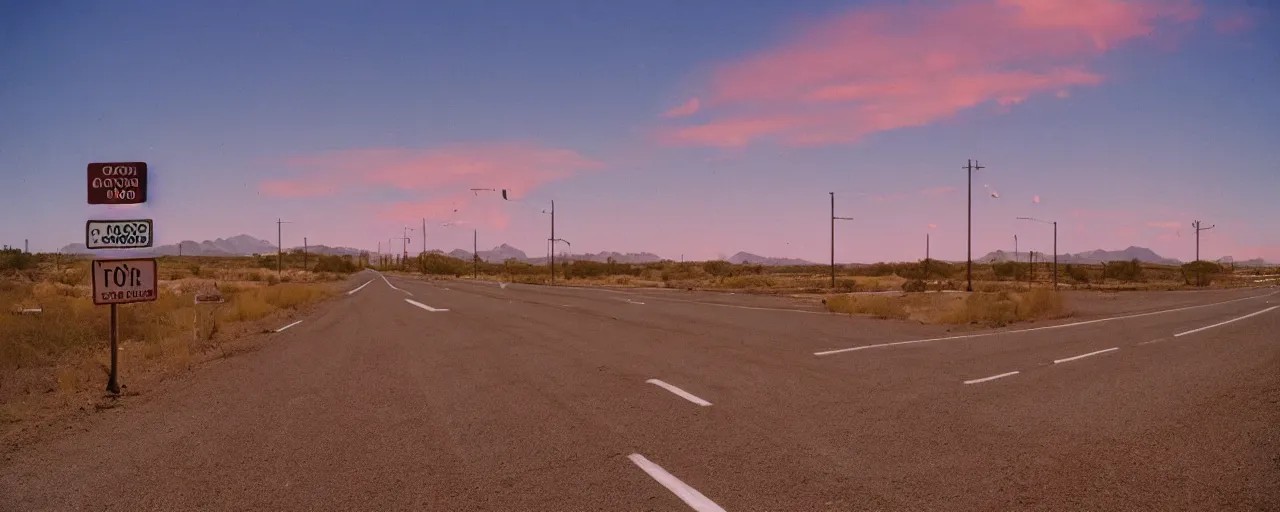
[(475, 253), (553, 242), (280, 246), (1199, 273), (833, 237), (1055, 247), (26, 248), (926, 256), (405, 245), (304, 253), (1196, 225), (972, 166)]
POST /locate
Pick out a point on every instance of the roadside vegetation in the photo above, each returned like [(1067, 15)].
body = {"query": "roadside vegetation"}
[(995, 309), (930, 275), (54, 341)]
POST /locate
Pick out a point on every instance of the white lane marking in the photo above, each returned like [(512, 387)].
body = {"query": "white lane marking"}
[(424, 306), (629, 301), (393, 287), (361, 287), (1251, 315), (288, 326), (679, 392), (1082, 356), (1018, 331), (993, 377), (687, 494), (1154, 341)]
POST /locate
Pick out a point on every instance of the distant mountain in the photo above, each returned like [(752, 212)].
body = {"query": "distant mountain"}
[(503, 252), (241, 245), (1098, 256), (746, 257)]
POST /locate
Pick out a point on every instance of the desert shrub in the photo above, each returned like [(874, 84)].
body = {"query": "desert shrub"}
[(335, 263), (1128, 271), (14, 259), (1076, 273), (718, 268), (1200, 273), (1010, 270), (914, 286)]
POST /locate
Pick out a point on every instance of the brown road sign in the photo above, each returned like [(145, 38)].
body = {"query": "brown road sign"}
[(117, 183), (125, 280)]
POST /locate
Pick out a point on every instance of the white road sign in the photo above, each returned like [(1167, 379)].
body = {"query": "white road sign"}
[(124, 281), (118, 234)]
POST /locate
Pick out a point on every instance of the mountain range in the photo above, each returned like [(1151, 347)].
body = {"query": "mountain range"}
[(1098, 256), (245, 245)]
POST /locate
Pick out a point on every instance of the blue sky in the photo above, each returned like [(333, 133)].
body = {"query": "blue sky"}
[(352, 119)]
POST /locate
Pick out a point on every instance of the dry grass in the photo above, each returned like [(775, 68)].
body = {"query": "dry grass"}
[(62, 352), (996, 309)]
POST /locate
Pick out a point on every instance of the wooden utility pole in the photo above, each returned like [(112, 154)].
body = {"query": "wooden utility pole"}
[(972, 166)]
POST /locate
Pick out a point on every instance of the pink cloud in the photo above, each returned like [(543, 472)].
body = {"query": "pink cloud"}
[(515, 166), (1234, 23), (938, 191), (1173, 224), (893, 66), (686, 109)]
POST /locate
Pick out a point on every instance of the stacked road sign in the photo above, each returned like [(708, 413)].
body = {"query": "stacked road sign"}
[(120, 281)]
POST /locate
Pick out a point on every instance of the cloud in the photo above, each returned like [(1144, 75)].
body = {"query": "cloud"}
[(889, 66), (937, 191), (1173, 224), (448, 173), (686, 109), (1234, 23)]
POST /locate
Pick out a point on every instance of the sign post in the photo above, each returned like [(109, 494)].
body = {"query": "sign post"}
[(120, 281)]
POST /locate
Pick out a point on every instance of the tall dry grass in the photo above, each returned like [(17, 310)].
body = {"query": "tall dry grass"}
[(996, 309)]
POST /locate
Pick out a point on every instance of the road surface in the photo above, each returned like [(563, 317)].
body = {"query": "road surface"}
[(414, 395)]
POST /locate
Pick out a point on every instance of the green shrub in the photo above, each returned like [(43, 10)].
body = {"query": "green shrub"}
[(1200, 273), (914, 286), (1077, 273), (1128, 271), (334, 263)]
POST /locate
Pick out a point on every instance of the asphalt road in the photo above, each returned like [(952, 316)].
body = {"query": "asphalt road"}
[(481, 397)]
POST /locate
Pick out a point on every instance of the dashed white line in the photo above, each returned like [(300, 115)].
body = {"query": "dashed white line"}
[(993, 377), (687, 494), (1233, 320), (424, 306), (288, 326), (629, 301), (1082, 356), (361, 287), (1158, 340), (679, 392), (1034, 329)]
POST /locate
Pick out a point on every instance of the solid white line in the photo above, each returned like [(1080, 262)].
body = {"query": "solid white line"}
[(993, 377), (1251, 315), (687, 494), (679, 392), (1062, 326), (1082, 356), (424, 306), (361, 287), (288, 326), (393, 287)]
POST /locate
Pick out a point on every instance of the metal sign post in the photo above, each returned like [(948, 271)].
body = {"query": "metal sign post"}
[(120, 281)]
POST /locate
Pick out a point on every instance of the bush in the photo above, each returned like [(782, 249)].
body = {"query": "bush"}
[(914, 286), (1200, 273), (1077, 273), (13, 259), (1128, 271), (718, 268), (1010, 270), (334, 263)]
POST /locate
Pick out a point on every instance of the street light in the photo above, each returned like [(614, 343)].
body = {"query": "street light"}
[(833, 237), (1055, 246)]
